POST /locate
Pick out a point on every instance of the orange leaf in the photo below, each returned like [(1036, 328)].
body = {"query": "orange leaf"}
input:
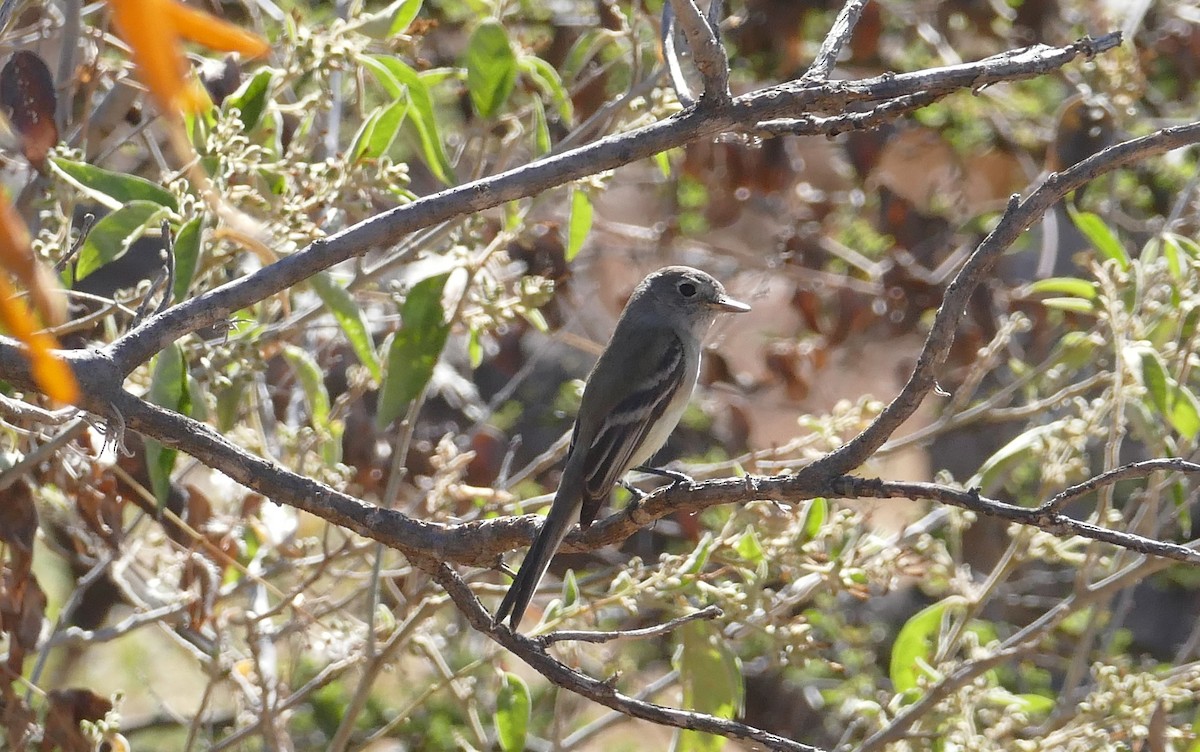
[(53, 376), (210, 31), (16, 256), (154, 30), (154, 44)]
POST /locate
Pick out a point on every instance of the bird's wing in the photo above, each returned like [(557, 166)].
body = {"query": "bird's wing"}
[(624, 428)]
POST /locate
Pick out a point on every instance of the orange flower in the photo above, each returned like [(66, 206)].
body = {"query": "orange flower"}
[(154, 30)]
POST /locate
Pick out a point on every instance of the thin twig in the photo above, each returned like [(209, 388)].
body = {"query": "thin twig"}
[(835, 40), (89, 220), (1117, 474), (565, 635), (708, 54), (602, 692)]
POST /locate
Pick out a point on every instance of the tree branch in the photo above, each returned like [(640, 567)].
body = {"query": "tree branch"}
[(788, 100), (602, 692)]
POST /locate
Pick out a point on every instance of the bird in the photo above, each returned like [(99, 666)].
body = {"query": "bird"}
[(632, 401)]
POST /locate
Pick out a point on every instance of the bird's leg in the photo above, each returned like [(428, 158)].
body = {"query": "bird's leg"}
[(638, 494), (675, 476)]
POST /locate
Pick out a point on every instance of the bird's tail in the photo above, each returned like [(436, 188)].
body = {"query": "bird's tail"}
[(554, 530)]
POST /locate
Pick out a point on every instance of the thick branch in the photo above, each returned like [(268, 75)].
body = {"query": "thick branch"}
[(789, 100)]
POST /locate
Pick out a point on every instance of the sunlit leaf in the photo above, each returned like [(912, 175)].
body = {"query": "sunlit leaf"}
[(541, 129), (399, 80), (312, 382), (1038, 704), (415, 349), (815, 515), (916, 643), (1100, 235), (111, 237), (699, 555), (491, 68), (570, 589), (550, 83), (1185, 411), (187, 257), (1074, 305), (351, 319), (1078, 288), (1009, 455), (118, 187), (513, 709), (251, 98), (580, 223), (748, 547), (711, 677), (1154, 378), (389, 21), (379, 130), (663, 160)]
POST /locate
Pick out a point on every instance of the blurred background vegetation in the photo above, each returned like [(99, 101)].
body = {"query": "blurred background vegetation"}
[(185, 612)]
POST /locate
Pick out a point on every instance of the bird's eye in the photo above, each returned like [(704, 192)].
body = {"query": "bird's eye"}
[(687, 289)]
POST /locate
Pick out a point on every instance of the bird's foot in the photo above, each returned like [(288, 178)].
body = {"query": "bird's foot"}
[(638, 494), (675, 476)]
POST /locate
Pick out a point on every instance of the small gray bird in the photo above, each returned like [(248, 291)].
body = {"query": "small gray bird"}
[(634, 398)]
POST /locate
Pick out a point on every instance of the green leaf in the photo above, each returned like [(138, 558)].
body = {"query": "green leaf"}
[(379, 130), (513, 709), (251, 98), (187, 256), (699, 556), (169, 389), (550, 83), (580, 223), (663, 160), (351, 319), (399, 80), (230, 404), (1100, 236), (1154, 378), (1009, 455), (475, 349), (1185, 411), (1074, 305), (1078, 288), (415, 349), (541, 130), (491, 68), (111, 237), (815, 516), (312, 383), (711, 677), (748, 547), (1171, 400), (388, 22), (915, 645), (118, 187), (1033, 703), (1172, 252), (570, 589), (1179, 497)]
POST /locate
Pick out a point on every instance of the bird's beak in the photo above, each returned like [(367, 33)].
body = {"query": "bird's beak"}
[(729, 305)]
